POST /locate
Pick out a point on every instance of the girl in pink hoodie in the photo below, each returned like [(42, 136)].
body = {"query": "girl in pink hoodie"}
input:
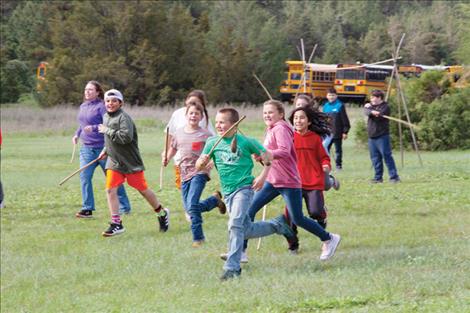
[(284, 179)]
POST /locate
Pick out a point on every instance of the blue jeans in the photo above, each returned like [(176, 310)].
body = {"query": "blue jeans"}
[(293, 199), (381, 149), (240, 226), (87, 155), (338, 142), (326, 140), (191, 191)]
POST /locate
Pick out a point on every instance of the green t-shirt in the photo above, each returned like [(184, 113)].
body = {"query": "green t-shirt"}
[(234, 168)]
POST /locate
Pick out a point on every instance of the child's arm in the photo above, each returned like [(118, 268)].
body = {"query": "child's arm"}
[(202, 162), (123, 135), (284, 142), (170, 154), (258, 182)]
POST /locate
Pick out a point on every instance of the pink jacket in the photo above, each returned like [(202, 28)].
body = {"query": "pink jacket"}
[(280, 141)]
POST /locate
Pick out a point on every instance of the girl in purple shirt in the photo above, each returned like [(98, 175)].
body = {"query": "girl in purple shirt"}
[(89, 117)]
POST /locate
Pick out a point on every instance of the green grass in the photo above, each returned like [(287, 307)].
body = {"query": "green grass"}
[(405, 247)]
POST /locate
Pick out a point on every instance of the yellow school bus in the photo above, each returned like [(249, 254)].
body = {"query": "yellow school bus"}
[(354, 82), (307, 78)]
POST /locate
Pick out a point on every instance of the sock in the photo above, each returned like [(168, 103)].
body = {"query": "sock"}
[(160, 211), (116, 219)]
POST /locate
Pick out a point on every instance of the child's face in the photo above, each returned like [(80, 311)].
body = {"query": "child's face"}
[(375, 100), (271, 115), (222, 123), (331, 97), (90, 92), (112, 105), (301, 102), (301, 121), (193, 116)]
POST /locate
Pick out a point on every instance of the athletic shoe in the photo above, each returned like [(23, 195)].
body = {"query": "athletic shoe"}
[(376, 181), (220, 203), (229, 274), (84, 214), (329, 247), (395, 180), (335, 182), (114, 229), (187, 217), (283, 227), (197, 243), (244, 258), (164, 221)]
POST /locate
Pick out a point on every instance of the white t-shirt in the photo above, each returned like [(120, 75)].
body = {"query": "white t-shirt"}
[(178, 120)]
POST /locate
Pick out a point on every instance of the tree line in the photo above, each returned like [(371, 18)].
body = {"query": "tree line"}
[(155, 51)]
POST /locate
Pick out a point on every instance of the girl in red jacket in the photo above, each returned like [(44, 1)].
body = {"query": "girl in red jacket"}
[(313, 162)]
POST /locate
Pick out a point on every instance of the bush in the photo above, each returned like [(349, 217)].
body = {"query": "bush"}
[(15, 80), (360, 132)]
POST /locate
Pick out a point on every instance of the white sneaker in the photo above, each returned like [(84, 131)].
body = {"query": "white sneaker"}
[(329, 247), (187, 216), (244, 258)]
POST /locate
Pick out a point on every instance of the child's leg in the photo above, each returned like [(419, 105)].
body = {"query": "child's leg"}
[(293, 199), (113, 204), (196, 186), (238, 203), (293, 242), (316, 206), (149, 195)]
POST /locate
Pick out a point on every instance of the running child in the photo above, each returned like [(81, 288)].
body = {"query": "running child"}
[(189, 141), (313, 163), (284, 178), (235, 165), (124, 162)]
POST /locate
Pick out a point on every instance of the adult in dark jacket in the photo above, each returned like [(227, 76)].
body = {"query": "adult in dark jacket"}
[(339, 124), (379, 137)]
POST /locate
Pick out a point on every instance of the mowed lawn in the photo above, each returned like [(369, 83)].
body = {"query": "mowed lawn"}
[(405, 247)]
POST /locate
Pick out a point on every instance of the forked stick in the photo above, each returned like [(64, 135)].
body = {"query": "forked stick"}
[(263, 218), (78, 171), (73, 152)]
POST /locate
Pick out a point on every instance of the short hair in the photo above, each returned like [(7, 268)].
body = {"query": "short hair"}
[(378, 93), (233, 114), (331, 90), (278, 105)]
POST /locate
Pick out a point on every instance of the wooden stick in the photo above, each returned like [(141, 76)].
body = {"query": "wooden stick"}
[(400, 121), (73, 152), (263, 218), (78, 171), (265, 90), (166, 155)]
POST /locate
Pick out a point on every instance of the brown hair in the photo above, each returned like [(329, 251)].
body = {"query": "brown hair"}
[(98, 88), (233, 114), (278, 105), (331, 90), (377, 93), (306, 98), (198, 106), (201, 95)]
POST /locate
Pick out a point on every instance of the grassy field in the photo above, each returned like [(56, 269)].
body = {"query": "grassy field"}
[(405, 246)]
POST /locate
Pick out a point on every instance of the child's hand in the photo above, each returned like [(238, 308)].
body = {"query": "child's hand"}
[(368, 105), (88, 129), (326, 168), (258, 183), (164, 161), (102, 155), (102, 129), (74, 140), (202, 162), (375, 113)]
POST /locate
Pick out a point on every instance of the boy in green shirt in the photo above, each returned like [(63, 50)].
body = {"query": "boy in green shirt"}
[(238, 185)]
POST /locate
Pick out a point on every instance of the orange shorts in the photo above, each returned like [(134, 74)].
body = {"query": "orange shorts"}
[(177, 177), (136, 180)]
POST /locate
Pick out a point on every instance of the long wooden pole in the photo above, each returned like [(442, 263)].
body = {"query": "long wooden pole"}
[(263, 219), (264, 88), (166, 155), (73, 152), (400, 121), (78, 171)]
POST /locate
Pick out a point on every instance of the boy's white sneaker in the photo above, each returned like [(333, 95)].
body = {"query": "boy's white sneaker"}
[(329, 247)]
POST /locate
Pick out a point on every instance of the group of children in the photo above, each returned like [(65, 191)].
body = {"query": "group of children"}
[(295, 166)]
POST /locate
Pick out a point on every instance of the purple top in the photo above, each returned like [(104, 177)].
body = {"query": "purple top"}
[(91, 113)]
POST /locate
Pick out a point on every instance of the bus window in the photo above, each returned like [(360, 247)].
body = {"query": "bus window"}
[(295, 76), (376, 75), (350, 74)]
